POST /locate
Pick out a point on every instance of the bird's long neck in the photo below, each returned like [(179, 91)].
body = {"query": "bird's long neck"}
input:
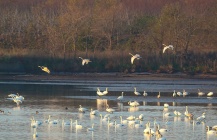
[(131, 54)]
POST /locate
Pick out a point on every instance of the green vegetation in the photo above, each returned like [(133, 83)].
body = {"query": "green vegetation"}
[(55, 33)]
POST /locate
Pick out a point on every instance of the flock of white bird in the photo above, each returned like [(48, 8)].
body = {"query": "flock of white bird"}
[(132, 121), (86, 60)]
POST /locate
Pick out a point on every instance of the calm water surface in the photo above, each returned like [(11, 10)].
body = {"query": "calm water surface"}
[(52, 98)]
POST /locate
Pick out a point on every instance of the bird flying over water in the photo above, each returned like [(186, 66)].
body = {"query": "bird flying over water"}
[(45, 69), (167, 47), (136, 56), (84, 61)]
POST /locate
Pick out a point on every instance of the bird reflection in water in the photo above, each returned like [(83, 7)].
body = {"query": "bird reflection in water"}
[(133, 109), (144, 103), (120, 106), (101, 104), (17, 108)]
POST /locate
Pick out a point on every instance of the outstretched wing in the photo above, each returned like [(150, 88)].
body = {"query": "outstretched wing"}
[(132, 59), (83, 62), (164, 49), (46, 70)]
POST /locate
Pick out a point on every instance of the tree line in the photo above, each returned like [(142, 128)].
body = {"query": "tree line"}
[(55, 33)]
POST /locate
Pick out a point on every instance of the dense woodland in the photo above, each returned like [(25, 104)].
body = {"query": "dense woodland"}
[(54, 33)]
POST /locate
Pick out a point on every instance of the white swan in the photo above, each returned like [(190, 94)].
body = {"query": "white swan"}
[(148, 130), (82, 109), (45, 69), (66, 123), (202, 117), (91, 129), (200, 93), (37, 122), (210, 94), (17, 101), (177, 113), (145, 93), (110, 110), (185, 93), (167, 47), (158, 96), (130, 118), (187, 114), (133, 104), (84, 61), (179, 93), (77, 125), (211, 132), (166, 105), (12, 95), (105, 92), (174, 93), (167, 114), (120, 98), (103, 118), (161, 130), (214, 127), (33, 123), (118, 125), (123, 121), (93, 112), (141, 117), (110, 123), (136, 56), (99, 93), (136, 92), (51, 121)]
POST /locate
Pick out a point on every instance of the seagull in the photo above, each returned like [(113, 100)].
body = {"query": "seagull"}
[(167, 47), (136, 56), (45, 69), (84, 61)]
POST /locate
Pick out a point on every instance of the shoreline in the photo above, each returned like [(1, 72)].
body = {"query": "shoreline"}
[(105, 76)]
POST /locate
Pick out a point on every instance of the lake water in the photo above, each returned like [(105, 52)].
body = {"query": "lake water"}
[(52, 98)]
